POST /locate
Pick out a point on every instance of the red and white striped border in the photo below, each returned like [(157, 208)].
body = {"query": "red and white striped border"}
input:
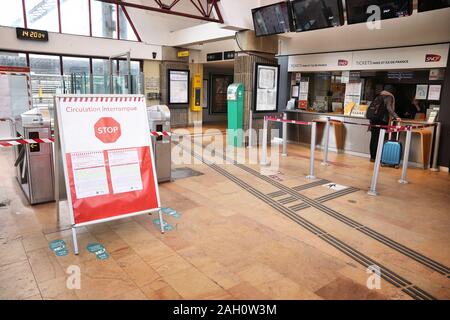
[(102, 99), (11, 143), (25, 141)]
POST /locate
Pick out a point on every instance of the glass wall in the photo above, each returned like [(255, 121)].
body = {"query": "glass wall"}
[(75, 65), (13, 59), (13, 15), (42, 14), (107, 20), (75, 17), (43, 64)]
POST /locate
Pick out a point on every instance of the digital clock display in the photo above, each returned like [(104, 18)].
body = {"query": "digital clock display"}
[(31, 34)]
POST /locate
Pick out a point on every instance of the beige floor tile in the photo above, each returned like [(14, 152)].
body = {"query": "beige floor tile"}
[(44, 264), (138, 271), (17, 281)]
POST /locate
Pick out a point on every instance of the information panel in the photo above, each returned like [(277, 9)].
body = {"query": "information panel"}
[(266, 84), (107, 156)]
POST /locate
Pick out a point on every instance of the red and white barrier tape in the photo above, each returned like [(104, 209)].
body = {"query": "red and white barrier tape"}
[(274, 119), (11, 143), (101, 99)]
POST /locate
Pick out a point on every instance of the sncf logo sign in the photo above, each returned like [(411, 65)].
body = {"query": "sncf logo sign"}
[(342, 62), (432, 58)]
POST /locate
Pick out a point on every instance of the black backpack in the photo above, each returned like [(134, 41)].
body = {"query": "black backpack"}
[(377, 109)]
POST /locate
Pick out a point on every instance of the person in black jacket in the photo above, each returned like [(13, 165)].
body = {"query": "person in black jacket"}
[(389, 102)]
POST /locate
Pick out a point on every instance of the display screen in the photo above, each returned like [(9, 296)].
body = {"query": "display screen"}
[(357, 9), (317, 14), (427, 5), (272, 19)]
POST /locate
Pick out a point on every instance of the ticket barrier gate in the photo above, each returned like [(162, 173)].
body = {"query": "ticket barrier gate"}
[(159, 121), (34, 162)]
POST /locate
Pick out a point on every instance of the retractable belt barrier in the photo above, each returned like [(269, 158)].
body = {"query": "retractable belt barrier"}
[(285, 122), (383, 130), (19, 141)]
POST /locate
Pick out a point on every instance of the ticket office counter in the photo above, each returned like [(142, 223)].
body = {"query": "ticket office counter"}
[(354, 139)]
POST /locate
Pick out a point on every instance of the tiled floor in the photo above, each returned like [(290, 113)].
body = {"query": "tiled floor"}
[(229, 244)]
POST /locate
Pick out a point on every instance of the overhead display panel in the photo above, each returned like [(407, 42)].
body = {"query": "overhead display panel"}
[(427, 5), (272, 19), (317, 14), (357, 10)]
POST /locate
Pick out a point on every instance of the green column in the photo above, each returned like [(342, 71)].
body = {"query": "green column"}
[(235, 98)]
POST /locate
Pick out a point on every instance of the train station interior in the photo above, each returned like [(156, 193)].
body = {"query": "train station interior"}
[(224, 150)]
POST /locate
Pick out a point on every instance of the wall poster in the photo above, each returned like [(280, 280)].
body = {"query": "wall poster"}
[(178, 86), (266, 87)]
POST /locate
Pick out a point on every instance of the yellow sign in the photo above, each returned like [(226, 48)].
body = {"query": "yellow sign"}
[(182, 54)]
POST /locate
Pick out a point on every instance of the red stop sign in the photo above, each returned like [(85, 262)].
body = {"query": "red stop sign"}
[(107, 130)]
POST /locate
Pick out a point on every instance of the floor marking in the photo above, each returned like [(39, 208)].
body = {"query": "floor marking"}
[(386, 274), (414, 255)]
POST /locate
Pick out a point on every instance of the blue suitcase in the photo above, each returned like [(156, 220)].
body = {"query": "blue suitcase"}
[(392, 153)]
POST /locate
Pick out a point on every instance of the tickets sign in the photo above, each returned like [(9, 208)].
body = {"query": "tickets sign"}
[(107, 156)]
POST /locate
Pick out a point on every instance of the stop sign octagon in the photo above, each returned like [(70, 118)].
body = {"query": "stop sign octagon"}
[(107, 130)]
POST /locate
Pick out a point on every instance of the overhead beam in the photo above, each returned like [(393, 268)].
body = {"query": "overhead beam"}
[(164, 10)]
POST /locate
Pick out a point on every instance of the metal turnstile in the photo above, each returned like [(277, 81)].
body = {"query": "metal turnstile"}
[(159, 120), (35, 161)]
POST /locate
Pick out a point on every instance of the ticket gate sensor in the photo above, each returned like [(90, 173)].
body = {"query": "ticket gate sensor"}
[(34, 162), (159, 120)]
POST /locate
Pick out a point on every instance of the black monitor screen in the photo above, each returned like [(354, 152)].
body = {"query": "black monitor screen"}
[(357, 9), (317, 14), (272, 19), (427, 5)]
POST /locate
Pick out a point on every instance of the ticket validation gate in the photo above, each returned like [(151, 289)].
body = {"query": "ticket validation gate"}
[(159, 121), (34, 162)]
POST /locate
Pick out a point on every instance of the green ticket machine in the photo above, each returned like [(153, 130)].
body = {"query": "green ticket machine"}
[(235, 98)]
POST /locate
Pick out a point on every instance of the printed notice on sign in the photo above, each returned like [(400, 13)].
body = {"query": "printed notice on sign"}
[(89, 174), (125, 170)]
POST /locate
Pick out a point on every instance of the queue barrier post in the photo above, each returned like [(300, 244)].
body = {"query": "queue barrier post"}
[(313, 148), (250, 131), (406, 156), (376, 168), (264, 143), (327, 140), (437, 132), (284, 152)]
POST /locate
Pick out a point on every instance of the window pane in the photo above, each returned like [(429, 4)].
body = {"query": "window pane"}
[(135, 67), (75, 17), (13, 16), (100, 69), (13, 59), (126, 32), (41, 64), (104, 19), (42, 14), (75, 65)]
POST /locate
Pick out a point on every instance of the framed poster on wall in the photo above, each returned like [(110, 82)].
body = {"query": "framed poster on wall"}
[(219, 87), (178, 86), (266, 87)]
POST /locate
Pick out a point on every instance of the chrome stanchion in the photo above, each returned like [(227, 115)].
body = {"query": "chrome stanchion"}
[(437, 132), (250, 131), (376, 168), (406, 157), (284, 152), (264, 143), (313, 148), (327, 140)]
